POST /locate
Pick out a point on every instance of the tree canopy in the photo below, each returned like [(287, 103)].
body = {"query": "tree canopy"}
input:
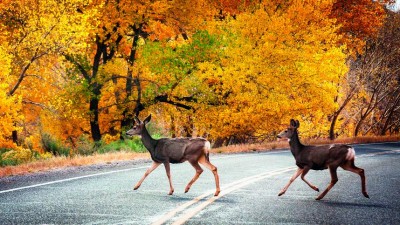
[(233, 71)]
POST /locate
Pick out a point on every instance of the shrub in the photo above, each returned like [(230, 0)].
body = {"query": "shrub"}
[(134, 145), (53, 146), (85, 146), (46, 155), (12, 157)]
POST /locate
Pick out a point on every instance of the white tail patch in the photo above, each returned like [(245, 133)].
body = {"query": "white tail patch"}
[(207, 145), (351, 154)]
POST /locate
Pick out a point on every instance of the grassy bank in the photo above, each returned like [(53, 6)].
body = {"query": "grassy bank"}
[(122, 155)]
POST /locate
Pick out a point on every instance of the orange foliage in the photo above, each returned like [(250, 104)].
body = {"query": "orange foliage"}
[(359, 20)]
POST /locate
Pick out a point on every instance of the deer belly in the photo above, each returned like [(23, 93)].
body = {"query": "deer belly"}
[(174, 161), (313, 166), (176, 157), (319, 167)]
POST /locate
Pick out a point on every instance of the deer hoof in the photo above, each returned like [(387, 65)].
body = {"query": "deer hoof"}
[(365, 194), (281, 193), (318, 198), (217, 192), (316, 189), (186, 190), (136, 187), (171, 192)]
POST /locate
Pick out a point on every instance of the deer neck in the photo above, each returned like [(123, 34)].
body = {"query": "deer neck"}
[(295, 145), (148, 142)]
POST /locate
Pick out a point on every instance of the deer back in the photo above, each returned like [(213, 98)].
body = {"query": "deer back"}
[(177, 150)]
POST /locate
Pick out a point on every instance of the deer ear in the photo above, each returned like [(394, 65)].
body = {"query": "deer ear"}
[(293, 123), (147, 119), (297, 124)]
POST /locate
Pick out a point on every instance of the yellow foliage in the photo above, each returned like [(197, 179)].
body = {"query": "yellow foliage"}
[(46, 155), (107, 138), (18, 154), (279, 65), (10, 106)]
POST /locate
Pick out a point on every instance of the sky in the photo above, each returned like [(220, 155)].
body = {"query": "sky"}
[(396, 6)]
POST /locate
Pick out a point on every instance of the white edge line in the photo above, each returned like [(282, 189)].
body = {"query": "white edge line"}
[(69, 179)]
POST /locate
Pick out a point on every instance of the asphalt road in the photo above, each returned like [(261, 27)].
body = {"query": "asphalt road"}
[(250, 184)]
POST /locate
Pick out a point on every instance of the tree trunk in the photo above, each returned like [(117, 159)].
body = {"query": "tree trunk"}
[(332, 135), (94, 113), (127, 116), (219, 142), (15, 136), (391, 112)]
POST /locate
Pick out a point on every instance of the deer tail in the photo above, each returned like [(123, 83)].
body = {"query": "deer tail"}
[(207, 147)]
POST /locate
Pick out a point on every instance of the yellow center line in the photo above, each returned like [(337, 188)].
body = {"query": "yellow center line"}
[(195, 200), (225, 190)]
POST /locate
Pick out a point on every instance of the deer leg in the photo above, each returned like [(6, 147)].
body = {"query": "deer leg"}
[(199, 170), (352, 168), (148, 171), (334, 179), (295, 175), (204, 161), (305, 171), (167, 169)]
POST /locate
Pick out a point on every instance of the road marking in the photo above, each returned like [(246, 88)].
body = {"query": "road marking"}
[(379, 153), (86, 176), (226, 189), (69, 179)]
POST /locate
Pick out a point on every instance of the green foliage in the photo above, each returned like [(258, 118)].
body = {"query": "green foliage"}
[(53, 146), (134, 145)]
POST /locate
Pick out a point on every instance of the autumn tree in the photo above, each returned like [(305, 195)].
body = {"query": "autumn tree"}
[(359, 22), (118, 36), (273, 73), (262, 74), (378, 98), (10, 105), (158, 23), (33, 31)]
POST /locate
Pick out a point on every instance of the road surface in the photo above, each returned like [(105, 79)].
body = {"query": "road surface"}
[(250, 184)]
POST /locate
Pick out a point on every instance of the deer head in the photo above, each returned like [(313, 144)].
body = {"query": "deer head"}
[(138, 127), (290, 131)]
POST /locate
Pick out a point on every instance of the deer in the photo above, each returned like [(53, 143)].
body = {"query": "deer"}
[(319, 158), (174, 150)]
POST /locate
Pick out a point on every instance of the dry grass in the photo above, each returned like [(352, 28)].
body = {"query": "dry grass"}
[(62, 162)]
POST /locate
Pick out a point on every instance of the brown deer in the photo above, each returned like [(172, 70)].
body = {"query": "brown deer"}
[(174, 150), (319, 158)]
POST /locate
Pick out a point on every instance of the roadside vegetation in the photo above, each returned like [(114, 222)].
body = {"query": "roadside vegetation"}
[(134, 150)]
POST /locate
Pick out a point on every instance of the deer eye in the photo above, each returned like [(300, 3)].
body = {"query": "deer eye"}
[(285, 131)]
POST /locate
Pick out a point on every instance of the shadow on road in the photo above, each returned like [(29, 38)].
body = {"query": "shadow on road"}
[(353, 204)]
